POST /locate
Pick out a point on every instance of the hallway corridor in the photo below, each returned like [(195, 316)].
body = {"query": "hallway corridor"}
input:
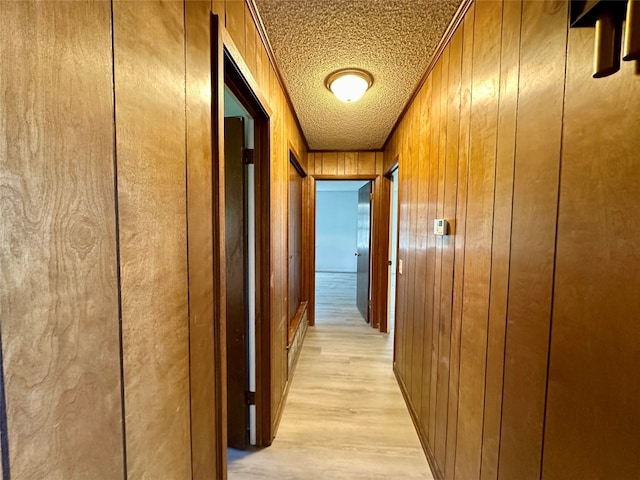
[(345, 417)]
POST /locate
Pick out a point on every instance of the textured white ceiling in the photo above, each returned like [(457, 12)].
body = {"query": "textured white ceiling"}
[(392, 39)]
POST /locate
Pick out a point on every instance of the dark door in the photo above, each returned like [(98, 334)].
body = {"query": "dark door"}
[(364, 240), (235, 249)]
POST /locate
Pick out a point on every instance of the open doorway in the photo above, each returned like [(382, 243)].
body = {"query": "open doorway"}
[(246, 220), (343, 242), (393, 251)]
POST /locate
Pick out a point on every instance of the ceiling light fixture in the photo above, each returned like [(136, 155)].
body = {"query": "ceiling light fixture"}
[(349, 84)]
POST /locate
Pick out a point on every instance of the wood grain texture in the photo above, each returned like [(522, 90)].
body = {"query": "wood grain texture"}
[(448, 245), (409, 260), (350, 163), (329, 163), (478, 242), (465, 30), (505, 152), (150, 128), (200, 239), (250, 38), (367, 163), (535, 204), (431, 198), (235, 23), (58, 280), (419, 296), (440, 159), (592, 419), (219, 257)]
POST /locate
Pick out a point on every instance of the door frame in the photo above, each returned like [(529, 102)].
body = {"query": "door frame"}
[(311, 242), (225, 71), (388, 175)]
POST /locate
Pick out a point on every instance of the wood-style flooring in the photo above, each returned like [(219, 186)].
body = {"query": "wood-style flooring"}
[(345, 417)]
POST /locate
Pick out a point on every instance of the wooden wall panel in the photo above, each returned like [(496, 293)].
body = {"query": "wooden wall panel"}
[(448, 246), (350, 163), (505, 152), (465, 30), (593, 420), (420, 310), (199, 238), (329, 163), (58, 280), (409, 259), (535, 204), (279, 222), (366, 163), (419, 260), (493, 383), (235, 23), (250, 50), (431, 331), (439, 159), (403, 291), (150, 129), (479, 218)]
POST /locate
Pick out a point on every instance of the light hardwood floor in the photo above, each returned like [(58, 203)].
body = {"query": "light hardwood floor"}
[(345, 417)]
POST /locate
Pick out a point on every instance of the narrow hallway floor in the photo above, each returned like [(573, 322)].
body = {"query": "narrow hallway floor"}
[(345, 417)]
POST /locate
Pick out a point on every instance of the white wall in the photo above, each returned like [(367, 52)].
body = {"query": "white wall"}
[(336, 231)]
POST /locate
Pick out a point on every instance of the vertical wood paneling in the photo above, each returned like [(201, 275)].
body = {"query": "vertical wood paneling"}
[(410, 264), (439, 204), (341, 163), (250, 52), (329, 163), (448, 246), (419, 258), (593, 420), (479, 218), (505, 151), (403, 226), (350, 163), (535, 200), (366, 163), (420, 310), (503, 133), (431, 332), (199, 237), (234, 21), (466, 31), (58, 281), (150, 128)]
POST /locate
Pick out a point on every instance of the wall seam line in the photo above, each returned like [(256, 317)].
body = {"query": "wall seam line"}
[(117, 237), (186, 196), (506, 328), (555, 244)]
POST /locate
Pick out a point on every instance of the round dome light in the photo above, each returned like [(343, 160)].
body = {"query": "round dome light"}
[(350, 84)]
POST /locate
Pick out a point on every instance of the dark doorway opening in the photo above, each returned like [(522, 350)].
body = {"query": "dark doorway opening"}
[(247, 250)]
